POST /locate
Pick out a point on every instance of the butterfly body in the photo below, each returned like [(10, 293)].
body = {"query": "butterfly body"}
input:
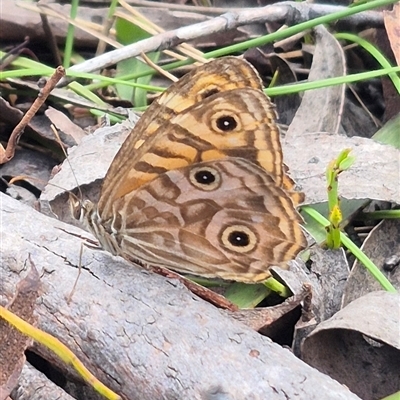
[(199, 186)]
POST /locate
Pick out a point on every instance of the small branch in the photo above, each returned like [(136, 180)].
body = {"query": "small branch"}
[(287, 12), (8, 153), (201, 291)]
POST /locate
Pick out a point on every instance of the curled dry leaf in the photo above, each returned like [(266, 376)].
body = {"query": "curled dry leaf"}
[(360, 341), (63, 123), (381, 245), (326, 272), (265, 320), (327, 103)]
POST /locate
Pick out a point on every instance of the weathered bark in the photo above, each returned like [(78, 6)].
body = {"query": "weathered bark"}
[(145, 336)]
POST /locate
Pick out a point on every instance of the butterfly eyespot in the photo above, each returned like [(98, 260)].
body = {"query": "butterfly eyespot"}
[(226, 123), (205, 178), (239, 238)]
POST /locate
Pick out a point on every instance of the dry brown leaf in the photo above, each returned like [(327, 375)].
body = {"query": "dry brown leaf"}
[(62, 122), (391, 19)]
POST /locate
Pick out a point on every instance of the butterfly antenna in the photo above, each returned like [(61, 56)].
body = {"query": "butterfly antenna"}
[(73, 290), (80, 198), (32, 178), (74, 208)]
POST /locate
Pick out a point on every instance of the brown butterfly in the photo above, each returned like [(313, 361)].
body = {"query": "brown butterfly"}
[(199, 186)]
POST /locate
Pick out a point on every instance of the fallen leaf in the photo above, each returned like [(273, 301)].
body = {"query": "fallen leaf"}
[(391, 20), (360, 341)]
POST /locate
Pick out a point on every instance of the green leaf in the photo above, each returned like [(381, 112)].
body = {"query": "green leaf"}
[(246, 295), (128, 33), (342, 156), (347, 163), (389, 133)]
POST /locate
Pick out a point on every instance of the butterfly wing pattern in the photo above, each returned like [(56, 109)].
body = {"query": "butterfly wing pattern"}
[(199, 186)]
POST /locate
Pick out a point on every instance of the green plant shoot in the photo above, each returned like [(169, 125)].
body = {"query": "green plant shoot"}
[(343, 162)]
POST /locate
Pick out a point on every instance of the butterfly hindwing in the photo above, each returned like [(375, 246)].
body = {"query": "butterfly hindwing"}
[(220, 218)]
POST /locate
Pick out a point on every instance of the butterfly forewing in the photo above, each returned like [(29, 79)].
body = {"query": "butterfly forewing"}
[(214, 77), (236, 123)]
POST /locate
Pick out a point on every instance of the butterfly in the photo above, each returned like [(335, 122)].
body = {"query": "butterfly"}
[(199, 186)]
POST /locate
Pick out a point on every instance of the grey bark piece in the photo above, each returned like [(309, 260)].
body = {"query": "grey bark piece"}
[(312, 139), (362, 181), (146, 337)]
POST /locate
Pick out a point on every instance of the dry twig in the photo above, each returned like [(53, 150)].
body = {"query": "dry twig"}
[(8, 153), (286, 12)]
